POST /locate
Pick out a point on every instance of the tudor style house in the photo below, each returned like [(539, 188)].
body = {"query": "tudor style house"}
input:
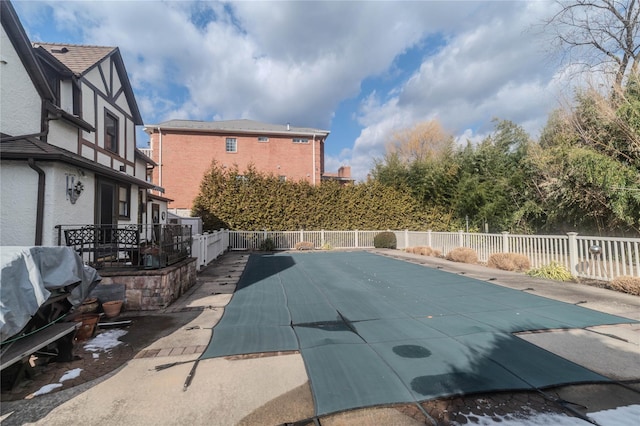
[(184, 151), (68, 141)]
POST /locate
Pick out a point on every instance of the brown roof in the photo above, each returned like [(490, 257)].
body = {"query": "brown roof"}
[(25, 148), (241, 125), (78, 58)]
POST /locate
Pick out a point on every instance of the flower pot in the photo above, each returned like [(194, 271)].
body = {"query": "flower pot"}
[(88, 306), (87, 327), (112, 309)]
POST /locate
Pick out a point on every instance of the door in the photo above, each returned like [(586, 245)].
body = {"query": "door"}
[(106, 211)]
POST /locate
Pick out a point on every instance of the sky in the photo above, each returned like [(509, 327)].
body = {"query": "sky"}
[(359, 69)]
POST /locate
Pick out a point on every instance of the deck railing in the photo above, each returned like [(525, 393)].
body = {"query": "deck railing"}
[(128, 246), (615, 257)]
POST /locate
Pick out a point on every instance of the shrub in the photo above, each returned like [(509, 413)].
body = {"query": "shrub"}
[(304, 245), (385, 240), (509, 262), (552, 271), (626, 284), (463, 255), (268, 245)]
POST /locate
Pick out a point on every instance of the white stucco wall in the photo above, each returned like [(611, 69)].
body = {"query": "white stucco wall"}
[(131, 140), (63, 135), (88, 111), (20, 103), (18, 202), (66, 96), (58, 208), (94, 78), (141, 169)]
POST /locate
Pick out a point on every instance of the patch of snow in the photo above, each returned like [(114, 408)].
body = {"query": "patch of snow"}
[(621, 416), (47, 389), (71, 374), (105, 341), (95, 355)]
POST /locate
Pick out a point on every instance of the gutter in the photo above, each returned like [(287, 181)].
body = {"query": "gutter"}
[(40, 201), (313, 156), (160, 157)]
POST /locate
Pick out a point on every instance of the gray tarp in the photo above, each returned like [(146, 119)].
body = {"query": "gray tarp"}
[(30, 274)]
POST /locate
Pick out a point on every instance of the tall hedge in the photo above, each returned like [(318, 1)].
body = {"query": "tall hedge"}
[(255, 201)]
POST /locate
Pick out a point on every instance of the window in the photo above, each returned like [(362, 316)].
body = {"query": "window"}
[(232, 145), (124, 194), (110, 132), (282, 178), (263, 139), (300, 140), (77, 99)]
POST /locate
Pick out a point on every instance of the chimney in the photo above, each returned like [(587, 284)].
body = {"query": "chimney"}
[(344, 172)]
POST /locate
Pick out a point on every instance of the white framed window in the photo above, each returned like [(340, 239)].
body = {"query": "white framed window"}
[(263, 139), (300, 140), (282, 178), (124, 195), (110, 132), (232, 145)]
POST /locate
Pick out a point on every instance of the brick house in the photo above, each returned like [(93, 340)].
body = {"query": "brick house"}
[(184, 151)]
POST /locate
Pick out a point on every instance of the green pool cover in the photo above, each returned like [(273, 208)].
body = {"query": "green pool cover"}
[(375, 331)]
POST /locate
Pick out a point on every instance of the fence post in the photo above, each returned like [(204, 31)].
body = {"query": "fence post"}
[(429, 238), (406, 238), (505, 241), (460, 238), (573, 253), (301, 235), (322, 237), (357, 242)]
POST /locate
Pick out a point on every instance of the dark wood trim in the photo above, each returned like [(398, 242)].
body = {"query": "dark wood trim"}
[(103, 96), (104, 80)]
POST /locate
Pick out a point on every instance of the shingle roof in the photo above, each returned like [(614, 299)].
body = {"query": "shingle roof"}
[(78, 58), (23, 149), (244, 126)]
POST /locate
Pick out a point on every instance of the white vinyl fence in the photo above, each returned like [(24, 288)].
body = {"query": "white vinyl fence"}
[(207, 247), (615, 257)]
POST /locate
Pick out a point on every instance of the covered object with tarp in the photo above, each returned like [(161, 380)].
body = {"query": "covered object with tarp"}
[(30, 275)]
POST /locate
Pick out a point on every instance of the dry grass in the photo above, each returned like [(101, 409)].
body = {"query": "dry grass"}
[(463, 255), (424, 251), (304, 245), (626, 284), (509, 262)]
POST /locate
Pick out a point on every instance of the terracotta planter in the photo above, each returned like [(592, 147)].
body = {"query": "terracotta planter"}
[(88, 306), (112, 309), (87, 327)]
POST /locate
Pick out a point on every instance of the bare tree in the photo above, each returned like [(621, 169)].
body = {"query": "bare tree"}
[(425, 140), (599, 32)]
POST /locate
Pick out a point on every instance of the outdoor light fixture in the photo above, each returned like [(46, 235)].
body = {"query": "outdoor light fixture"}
[(74, 189)]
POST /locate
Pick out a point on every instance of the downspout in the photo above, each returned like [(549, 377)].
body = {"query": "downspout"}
[(314, 159), (160, 157), (40, 203)]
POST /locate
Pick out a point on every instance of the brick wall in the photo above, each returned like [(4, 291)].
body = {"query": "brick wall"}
[(153, 289), (186, 157)]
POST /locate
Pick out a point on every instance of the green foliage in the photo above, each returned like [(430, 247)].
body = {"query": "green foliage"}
[(268, 245), (385, 240), (552, 271), (254, 201)]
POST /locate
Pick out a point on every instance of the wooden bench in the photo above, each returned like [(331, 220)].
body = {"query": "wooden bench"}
[(29, 345)]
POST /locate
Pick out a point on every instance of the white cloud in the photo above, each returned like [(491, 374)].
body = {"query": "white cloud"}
[(495, 69), (296, 61)]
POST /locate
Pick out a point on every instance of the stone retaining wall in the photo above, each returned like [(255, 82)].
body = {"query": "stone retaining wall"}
[(148, 290)]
